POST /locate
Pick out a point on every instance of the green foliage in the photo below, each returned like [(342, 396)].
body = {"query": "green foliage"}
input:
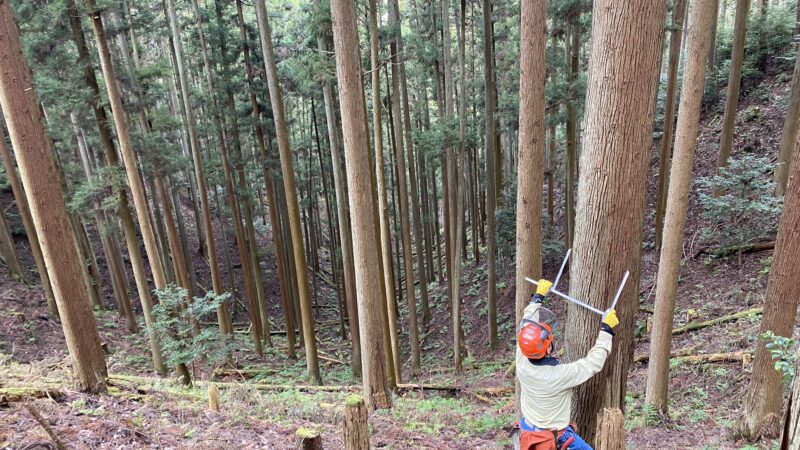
[(174, 326), (782, 350), (746, 210)]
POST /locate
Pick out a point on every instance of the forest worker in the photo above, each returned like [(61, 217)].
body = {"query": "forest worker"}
[(546, 385)]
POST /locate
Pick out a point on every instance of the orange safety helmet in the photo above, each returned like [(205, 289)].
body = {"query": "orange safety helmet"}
[(536, 336)]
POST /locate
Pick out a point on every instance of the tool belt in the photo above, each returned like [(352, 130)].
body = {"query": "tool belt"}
[(534, 438)]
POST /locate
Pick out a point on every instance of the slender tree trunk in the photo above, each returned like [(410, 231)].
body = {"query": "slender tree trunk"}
[(7, 251), (42, 183), (362, 206), (699, 28), (223, 316), (678, 15), (135, 183), (573, 42), (789, 135), (399, 62), (402, 193), (287, 166), (612, 189), (491, 195), (116, 272), (734, 84), (383, 207)]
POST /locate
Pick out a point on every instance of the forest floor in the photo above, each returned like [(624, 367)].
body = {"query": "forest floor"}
[(142, 411)]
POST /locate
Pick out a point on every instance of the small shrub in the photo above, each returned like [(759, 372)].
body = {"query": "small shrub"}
[(746, 210), (174, 317)]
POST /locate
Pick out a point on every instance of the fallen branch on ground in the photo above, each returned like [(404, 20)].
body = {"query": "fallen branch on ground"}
[(730, 317), (643, 358), (727, 251), (744, 357), (21, 394), (50, 432)]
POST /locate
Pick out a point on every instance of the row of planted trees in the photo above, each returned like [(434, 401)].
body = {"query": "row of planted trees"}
[(202, 107)]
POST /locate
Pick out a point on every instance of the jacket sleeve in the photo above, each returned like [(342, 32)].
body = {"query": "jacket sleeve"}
[(570, 375), (531, 312)]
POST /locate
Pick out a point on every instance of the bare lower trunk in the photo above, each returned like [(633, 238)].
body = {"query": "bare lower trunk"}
[(362, 207), (287, 169), (612, 189), (698, 30), (43, 184)]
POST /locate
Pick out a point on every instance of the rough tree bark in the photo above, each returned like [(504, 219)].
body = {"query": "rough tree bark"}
[(701, 18), (42, 183), (533, 42), (620, 103), (762, 405), (362, 208)]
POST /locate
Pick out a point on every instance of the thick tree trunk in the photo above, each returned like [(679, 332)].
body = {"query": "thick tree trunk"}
[(42, 183), (362, 207), (287, 169), (762, 405), (612, 189), (533, 41), (678, 15), (701, 20), (734, 84), (27, 223)]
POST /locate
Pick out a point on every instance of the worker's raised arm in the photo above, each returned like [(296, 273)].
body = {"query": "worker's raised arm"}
[(578, 372), (532, 312)]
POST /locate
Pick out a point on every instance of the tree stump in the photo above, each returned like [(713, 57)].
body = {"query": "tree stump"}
[(610, 432), (356, 431), (308, 439), (213, 397)]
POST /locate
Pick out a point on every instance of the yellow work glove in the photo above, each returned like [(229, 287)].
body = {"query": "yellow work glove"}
[(611, 319), (543, 287)]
